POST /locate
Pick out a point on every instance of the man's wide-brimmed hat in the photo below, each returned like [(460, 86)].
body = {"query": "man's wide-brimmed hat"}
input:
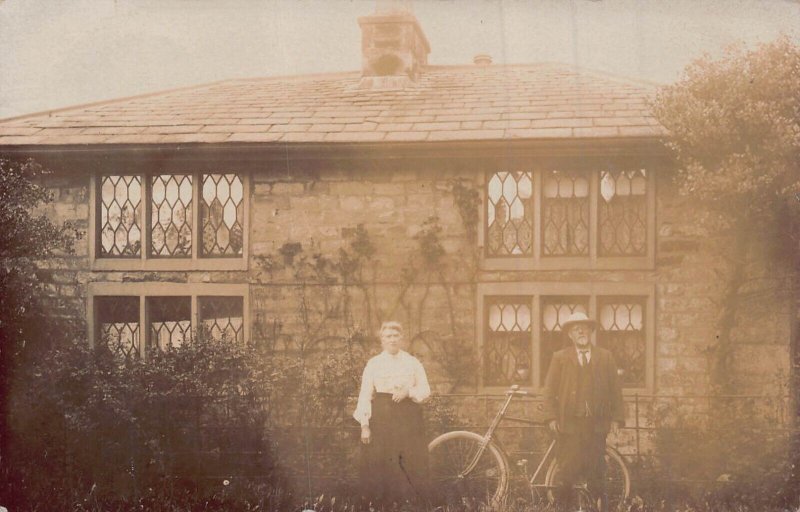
[(578, 317)]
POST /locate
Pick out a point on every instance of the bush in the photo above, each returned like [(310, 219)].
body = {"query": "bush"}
[(734, 458), (87, 420)]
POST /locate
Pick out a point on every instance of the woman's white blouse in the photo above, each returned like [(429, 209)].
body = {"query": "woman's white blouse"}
[(386, 373)]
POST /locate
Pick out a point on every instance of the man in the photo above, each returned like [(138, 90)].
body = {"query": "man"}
[(583, 402)]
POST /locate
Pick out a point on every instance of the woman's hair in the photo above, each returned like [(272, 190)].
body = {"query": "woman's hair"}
[(391, 324)]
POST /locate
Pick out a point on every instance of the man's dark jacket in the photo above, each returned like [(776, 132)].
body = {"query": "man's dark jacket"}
[(561, 388)]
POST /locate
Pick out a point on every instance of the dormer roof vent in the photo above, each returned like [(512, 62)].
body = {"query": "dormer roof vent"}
[(394, 50)]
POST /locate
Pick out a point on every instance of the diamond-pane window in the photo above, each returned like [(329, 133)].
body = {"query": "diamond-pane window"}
[(120, 212), (170, 320), (222, 214), (621, 330), (171, 215), (622, 213), (565, 214), (117, 324), (508, 353), (222, 317), (555, 310), (509, 216)]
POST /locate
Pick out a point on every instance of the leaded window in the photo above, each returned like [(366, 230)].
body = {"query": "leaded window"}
[(222, 213), (170, 320), (522, 327), (120, 208), (565, 214), (555, 310), (507, 350), (222, 317), (622, 213), (117, 325), (170, 314), (621, 330), (509, 213), (163, 218), (569, 218)]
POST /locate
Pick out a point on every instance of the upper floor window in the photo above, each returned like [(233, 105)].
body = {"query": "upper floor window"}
[(169, 221), (569, 219), (522, 329)]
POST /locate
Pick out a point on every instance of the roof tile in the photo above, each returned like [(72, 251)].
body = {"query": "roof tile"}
[(436, 126), (355, 136), (18, 130), (465, 134), (538, 133), (406, 136)]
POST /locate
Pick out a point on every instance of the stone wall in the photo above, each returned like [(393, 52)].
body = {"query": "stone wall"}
[(320, 208)]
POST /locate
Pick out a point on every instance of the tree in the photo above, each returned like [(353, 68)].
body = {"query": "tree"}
[(26, 235), (734, 129)]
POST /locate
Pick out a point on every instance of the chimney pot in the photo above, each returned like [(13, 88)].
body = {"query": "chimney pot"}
[(482, 59)]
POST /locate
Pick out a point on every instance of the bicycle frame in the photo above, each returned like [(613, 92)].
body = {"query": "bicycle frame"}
[(489, 436)]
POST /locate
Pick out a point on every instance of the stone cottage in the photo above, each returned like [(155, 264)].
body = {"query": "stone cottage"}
[(540, 189)]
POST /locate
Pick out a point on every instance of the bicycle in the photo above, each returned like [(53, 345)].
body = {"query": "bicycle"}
[(474, 468)]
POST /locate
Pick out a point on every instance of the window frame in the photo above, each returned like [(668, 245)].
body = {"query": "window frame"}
[(147, 262), (536, 261), (143, 290), (593, 290)]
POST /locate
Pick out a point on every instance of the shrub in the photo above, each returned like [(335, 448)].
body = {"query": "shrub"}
[(736, 458), (87, 420)]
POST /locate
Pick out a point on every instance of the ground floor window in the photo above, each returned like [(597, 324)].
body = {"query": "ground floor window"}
[(135, 319), (520, 329)]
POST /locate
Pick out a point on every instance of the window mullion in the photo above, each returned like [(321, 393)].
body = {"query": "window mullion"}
[(195, 316), (147, 190), (144, 331), (197, 229), (536, 326), (594, 191), (537, 214)]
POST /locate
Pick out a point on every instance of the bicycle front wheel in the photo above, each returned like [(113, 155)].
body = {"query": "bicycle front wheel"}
[(617, 481), (459, 474)]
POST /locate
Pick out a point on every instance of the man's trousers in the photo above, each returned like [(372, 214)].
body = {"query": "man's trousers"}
[(581, 457)]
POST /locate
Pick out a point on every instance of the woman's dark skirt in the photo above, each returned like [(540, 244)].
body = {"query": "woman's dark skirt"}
[(394, 466)]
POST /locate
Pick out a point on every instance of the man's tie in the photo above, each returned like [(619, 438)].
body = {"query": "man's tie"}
[(584, 357)]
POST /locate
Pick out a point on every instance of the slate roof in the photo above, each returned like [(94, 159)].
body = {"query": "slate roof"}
[(455, 103)]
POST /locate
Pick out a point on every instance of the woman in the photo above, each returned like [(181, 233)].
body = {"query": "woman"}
[(394, 464)]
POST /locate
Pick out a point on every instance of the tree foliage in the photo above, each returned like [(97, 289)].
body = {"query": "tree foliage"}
[(734, 126), (26, 234)]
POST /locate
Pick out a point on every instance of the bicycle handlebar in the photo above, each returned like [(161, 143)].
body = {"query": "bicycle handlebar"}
[(514, 390)]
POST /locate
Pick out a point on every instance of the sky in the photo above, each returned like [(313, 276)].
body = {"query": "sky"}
[(58, 53)]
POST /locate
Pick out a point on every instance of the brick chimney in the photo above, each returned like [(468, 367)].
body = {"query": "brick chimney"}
[(394, 49)]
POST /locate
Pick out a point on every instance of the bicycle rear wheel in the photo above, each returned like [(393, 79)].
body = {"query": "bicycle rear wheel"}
[(451, 455), (618, 479)]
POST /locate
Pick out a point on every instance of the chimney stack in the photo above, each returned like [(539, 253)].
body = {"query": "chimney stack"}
[(394, 50)]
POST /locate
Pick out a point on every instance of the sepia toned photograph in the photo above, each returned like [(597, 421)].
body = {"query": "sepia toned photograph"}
[(400, 255)]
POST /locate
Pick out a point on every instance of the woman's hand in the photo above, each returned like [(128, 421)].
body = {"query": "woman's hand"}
[(365, 434), (554, 426), (400, 394)]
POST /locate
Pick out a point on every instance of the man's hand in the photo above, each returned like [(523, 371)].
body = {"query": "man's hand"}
[(400, 394), (365, 434), (554, 426), (615, 427)]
